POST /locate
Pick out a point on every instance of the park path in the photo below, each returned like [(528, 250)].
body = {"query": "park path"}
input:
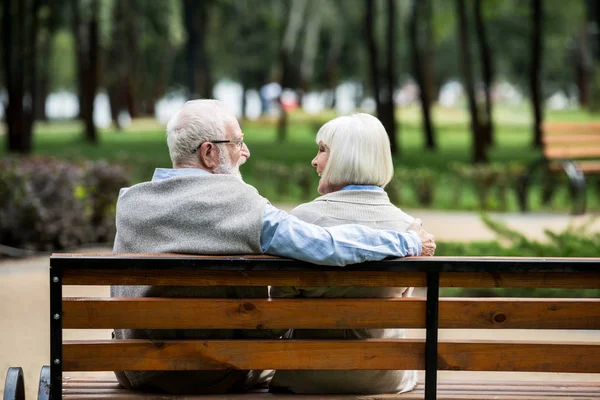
[(24, 292)]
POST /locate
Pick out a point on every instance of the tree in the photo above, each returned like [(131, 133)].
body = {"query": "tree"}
[(311, 47), (87, 42), (419, 47), (479, 148), (198, 64), (20, 32), (383, 89), (51, 15), (535, 71), (485, 53), (294, 16)]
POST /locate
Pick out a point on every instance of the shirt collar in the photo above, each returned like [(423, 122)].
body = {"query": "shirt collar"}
[(166, 173), (362, 187)]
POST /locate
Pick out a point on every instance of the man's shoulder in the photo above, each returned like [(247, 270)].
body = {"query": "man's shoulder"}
[(202, 188)]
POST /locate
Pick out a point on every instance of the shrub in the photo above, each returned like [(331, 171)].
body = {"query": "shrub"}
[(47, 204), (572, 242)]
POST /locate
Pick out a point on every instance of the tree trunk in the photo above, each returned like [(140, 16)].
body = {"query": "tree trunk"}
[(295, 16), (114, 101), (78, 35), (583, 68), (31, 73), (485, 53), (535, 71), (479, 149), (189, 12), (310, 50), (282, 123), (332, 66), (372, 49), (90, 74), (18, 45), (427, 46), (389, 120), (203, 60), (419, 71), (42, 68)]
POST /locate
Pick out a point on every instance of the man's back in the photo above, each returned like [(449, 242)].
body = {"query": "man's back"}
[(200, 214)]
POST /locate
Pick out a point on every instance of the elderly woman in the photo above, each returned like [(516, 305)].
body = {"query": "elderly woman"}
[(355, 163)]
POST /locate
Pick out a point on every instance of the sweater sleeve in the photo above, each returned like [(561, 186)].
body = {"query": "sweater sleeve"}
[(287, 236)]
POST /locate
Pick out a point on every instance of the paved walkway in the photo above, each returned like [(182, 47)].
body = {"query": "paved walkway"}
[(24, 292)]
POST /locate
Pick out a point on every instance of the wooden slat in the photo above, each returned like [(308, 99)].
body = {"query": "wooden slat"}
[(571, 139), (456, 355), (484, 390), (330, 278), (566, 128), (479, 355), (585, 166), (589, 166), (169, 277), (520, 280), (473, 313), (572, 152), (260, 263), (519, 313), (143, 355)]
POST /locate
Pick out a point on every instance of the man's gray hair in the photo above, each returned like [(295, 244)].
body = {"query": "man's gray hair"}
[(359, 151), (197, 122)]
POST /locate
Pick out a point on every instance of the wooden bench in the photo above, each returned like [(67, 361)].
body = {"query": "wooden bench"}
[(431, 314), (572, 148)]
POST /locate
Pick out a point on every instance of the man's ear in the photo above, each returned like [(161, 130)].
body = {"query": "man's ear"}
[(209, 155)]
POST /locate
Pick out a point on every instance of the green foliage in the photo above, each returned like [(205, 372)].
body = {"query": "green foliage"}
[(62, 62), (572, 242), (47, 204), (141, 148), (492, 182)]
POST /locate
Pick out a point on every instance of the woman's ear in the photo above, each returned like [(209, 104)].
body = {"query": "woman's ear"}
[(209, 155)]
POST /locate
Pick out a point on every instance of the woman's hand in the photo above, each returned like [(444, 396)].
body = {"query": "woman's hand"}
[(427, 239)]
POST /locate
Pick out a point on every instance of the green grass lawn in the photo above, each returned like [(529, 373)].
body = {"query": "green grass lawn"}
[(142, 147)]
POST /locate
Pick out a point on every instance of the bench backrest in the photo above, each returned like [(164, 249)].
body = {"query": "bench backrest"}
[(571, 140), (430, 313)]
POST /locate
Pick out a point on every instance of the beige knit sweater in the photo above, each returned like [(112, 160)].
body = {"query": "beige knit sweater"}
[(366, 207)]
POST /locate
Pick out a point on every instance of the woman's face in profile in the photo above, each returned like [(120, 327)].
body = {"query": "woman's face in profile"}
[(319, 162)]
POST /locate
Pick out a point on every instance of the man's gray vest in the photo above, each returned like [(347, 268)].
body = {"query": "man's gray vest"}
[(198, 214)]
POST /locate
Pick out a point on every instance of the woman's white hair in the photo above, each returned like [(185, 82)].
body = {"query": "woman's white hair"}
[(198, 121), (359, 151)]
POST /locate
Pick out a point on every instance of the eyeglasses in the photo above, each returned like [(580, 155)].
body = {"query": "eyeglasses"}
[(239, 142)]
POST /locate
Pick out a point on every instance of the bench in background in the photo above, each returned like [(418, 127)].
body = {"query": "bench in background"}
[(572, 148), (431, 314)]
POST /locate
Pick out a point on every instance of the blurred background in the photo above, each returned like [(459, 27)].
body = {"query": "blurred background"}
[(463, 87)]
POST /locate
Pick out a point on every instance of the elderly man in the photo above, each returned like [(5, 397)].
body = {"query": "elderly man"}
[(202, 206)]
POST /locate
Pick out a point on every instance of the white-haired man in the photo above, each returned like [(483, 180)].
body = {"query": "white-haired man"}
[(202, 206)]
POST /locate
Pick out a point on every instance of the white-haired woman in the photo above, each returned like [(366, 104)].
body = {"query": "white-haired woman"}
[(355, 164)]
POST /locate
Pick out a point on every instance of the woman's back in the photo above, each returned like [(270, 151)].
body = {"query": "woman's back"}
[(370, 208)]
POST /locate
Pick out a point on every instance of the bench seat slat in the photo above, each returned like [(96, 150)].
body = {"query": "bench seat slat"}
[(572, 138), (572, 152), (475, 355), (467, 313), (571, 128), (344, 278), (446, 390), (584, 166)]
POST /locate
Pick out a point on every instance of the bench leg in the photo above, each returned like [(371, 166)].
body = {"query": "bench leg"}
[(576, 186), (14, 387), (44, 388)]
